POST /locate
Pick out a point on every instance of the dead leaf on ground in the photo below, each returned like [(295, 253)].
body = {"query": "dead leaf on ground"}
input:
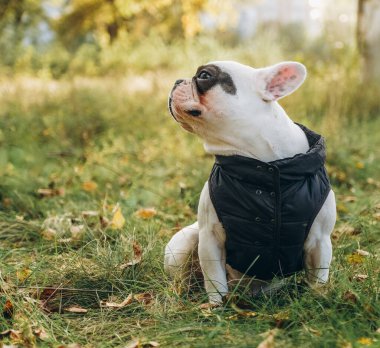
[(365, 341), (7, 309), (268, 342), (360, 277), (146, 213), (350, 296), (348, 199), (133, 344), (152, 344), (13, 334), (118, 219), (49, 234), (77, 231), (376, 216), (89, 186), (137, 256), (363, 252), (23, 274), (144, 298), (51, 192), (41, 334), (116, 305), (209, 305), (90, 213), (75, 309)]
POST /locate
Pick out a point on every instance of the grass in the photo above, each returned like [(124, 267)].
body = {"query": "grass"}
[(95, 143)]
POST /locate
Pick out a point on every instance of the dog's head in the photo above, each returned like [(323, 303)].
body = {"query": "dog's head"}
[(225, 95)]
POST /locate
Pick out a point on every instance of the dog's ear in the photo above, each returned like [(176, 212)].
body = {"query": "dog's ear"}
[(279, 80)]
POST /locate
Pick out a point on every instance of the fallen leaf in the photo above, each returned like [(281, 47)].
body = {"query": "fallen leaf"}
[(363, 252), (13, 334), (355, 259), (359, 165), (360, 277), (350, 296), (348, 199), (144, 298), (23, 274), (41, 334), (50, 192), (153, 344), (49, 234), (7, 309), (133, 344), (77, 231), (89, 186), (90, 213), (268, 342), (365, 341), (146, 213), (341, 208), (126, 302), (118, 219), (377, 216), (137, 256), (209, 305), (75, 309)]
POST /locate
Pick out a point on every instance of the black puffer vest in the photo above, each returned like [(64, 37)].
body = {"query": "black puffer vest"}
[(267, 208)]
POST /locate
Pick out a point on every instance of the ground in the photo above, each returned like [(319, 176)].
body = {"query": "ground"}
[(96, 178)]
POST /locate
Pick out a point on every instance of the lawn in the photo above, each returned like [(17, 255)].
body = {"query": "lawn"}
[(96, 178)]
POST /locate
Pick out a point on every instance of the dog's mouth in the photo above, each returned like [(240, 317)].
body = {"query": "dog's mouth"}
[(171, 107)]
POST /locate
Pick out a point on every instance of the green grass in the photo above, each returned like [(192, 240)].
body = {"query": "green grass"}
[(59, 135)]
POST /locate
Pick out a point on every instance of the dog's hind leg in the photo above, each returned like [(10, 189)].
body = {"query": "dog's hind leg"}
[(318, 248), (180, 250)]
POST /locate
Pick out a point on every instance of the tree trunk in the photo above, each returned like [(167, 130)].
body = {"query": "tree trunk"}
[(368, 39)]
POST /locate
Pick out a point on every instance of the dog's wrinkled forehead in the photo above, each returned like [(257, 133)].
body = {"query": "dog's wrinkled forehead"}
[(211, 75)]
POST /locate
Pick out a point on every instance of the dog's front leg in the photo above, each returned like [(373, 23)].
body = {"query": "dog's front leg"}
[(318, 248), (211, 250)]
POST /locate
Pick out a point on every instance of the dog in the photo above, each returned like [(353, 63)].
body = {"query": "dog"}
[(267, 210)]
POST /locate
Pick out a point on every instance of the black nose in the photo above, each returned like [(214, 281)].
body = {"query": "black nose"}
[(178, 82)]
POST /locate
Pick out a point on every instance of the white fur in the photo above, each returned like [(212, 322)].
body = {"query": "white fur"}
[(250, 123)]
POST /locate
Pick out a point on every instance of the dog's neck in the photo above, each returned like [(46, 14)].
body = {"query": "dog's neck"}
[(269, 135)]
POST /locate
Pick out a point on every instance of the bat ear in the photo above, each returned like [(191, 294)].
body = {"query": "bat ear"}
[(277, 81)]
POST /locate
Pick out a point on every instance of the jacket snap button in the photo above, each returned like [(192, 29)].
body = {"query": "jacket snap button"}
[(272, 194), (272, 221), (257, 219), (270, 169), (258, 192), (258, 167)]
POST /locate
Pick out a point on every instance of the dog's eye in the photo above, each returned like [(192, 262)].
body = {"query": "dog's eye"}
[(204, 75)]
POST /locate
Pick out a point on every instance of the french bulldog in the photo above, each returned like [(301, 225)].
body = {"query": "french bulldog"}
[(267, 210)]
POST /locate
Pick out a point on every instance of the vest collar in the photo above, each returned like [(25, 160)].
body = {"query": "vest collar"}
[(291, 168)]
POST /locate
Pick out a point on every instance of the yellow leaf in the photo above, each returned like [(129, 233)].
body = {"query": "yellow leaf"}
[(365, 341), (146, 213), (355, 258), (89, 186), (23, 274), (118, 219), (359, 165)]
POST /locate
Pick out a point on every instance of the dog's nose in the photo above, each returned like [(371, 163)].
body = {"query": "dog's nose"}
[(178, 82)]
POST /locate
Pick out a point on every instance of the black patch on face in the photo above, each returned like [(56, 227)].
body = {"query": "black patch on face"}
[(208, 76)]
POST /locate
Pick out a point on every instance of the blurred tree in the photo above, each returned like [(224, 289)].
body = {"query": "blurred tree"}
[(107, 18), (19, 21), (368, 38)]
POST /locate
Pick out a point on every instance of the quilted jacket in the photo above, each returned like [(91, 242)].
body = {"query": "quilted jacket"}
[(267, 208)]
